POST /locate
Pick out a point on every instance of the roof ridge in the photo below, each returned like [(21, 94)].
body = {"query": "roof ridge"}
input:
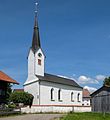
[(61, 76)]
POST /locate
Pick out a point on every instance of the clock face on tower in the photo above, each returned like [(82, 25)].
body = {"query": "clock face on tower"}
[(39, 54)]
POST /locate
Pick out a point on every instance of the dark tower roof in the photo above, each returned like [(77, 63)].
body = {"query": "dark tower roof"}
[(36, 37)]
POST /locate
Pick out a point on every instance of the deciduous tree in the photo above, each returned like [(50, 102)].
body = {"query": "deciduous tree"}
[(106, 81)]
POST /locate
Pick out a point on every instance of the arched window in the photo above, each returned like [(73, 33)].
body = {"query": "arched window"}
[(59, 94), (78, 97), (52, 94), (72, 97)]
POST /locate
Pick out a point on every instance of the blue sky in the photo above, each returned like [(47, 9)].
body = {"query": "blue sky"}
[(75, 36)]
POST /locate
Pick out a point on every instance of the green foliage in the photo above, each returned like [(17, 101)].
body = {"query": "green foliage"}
[(86, 116), (11, 105), (21, 97), (8, 92), (106, 81)]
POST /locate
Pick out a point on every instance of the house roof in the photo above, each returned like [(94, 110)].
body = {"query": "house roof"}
[(86, 93), (6, 78), (57, 79), (18, 90), (103, 88)]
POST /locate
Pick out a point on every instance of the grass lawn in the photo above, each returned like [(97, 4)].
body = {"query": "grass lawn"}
[(86, 116)]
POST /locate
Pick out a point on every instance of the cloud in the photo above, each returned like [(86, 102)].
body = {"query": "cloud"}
[(100, 77), (91, 89), (74, 75), (85, 80), (93, 80)]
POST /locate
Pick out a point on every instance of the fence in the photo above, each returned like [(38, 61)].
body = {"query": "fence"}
[(8, 111), (101, 103)]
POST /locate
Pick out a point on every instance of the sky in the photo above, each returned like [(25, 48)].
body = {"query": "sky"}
[(75, 37)]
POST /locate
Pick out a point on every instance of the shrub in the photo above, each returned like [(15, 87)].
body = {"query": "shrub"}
[(12, 105), (21, 97)]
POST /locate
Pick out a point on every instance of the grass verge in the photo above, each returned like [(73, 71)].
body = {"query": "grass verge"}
[(86, 116)]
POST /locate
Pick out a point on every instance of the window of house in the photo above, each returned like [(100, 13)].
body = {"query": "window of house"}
[(72, 97), (78, 97), (39, 62), (52, 94), (59, 95)]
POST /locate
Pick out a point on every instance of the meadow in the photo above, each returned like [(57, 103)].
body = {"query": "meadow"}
[(86, 116)]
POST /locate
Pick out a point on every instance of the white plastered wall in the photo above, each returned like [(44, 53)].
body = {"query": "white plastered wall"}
[(31, 68), (39, 69), (33, 89), (45, 94), (86, 102)]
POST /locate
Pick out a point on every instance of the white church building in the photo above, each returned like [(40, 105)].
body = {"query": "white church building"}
[(51, 91)]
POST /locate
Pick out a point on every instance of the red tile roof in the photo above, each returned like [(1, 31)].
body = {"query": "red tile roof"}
[(86, 93), (18, 90), (6, 78)]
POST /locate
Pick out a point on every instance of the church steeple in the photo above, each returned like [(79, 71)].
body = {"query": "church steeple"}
[(36, 37), (36, 57)]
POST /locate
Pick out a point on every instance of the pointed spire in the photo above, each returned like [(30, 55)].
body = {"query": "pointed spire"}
[(36, 37)]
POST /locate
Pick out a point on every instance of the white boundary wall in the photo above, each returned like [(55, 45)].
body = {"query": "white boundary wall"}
[(60, 109)]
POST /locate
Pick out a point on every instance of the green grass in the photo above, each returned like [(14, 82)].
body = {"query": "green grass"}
[(86, 116)]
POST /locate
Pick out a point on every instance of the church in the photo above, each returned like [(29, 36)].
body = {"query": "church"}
[(48, 89)]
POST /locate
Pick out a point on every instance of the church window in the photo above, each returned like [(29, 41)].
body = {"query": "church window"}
[(52, 94), (59, 95), (72, 97), (78, 97), (39, 62)]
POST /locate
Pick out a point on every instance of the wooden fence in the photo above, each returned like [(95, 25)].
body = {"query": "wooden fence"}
[(101, 103), (9, 111)]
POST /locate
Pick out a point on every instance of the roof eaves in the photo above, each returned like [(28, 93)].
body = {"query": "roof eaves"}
[(94, 93)]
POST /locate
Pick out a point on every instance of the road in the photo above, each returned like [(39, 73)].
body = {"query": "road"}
[(33, 117)]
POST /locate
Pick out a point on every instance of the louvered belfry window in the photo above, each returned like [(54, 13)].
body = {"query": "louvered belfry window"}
[(39, 62)]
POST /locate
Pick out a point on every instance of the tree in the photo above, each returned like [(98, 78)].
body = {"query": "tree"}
[(106, 81), (8, 92), (21, 97)]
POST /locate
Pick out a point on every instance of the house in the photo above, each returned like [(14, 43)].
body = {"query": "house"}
[(48, 89), (4, 81), (18, 90), (101, 99), (86, 98)]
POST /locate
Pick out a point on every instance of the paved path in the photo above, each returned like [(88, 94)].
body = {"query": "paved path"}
[(33, 117)]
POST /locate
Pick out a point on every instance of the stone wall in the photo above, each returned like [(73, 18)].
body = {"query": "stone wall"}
[(60, 109)]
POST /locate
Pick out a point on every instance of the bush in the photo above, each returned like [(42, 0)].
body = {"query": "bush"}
[(12, 105), (21, 97)]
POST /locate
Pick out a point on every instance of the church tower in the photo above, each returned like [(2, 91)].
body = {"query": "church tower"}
[(37, 50), (36, 56)]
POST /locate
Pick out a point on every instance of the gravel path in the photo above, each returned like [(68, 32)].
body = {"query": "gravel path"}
[(34, 117)]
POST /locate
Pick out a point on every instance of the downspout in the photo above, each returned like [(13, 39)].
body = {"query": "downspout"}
[(39, 92)]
